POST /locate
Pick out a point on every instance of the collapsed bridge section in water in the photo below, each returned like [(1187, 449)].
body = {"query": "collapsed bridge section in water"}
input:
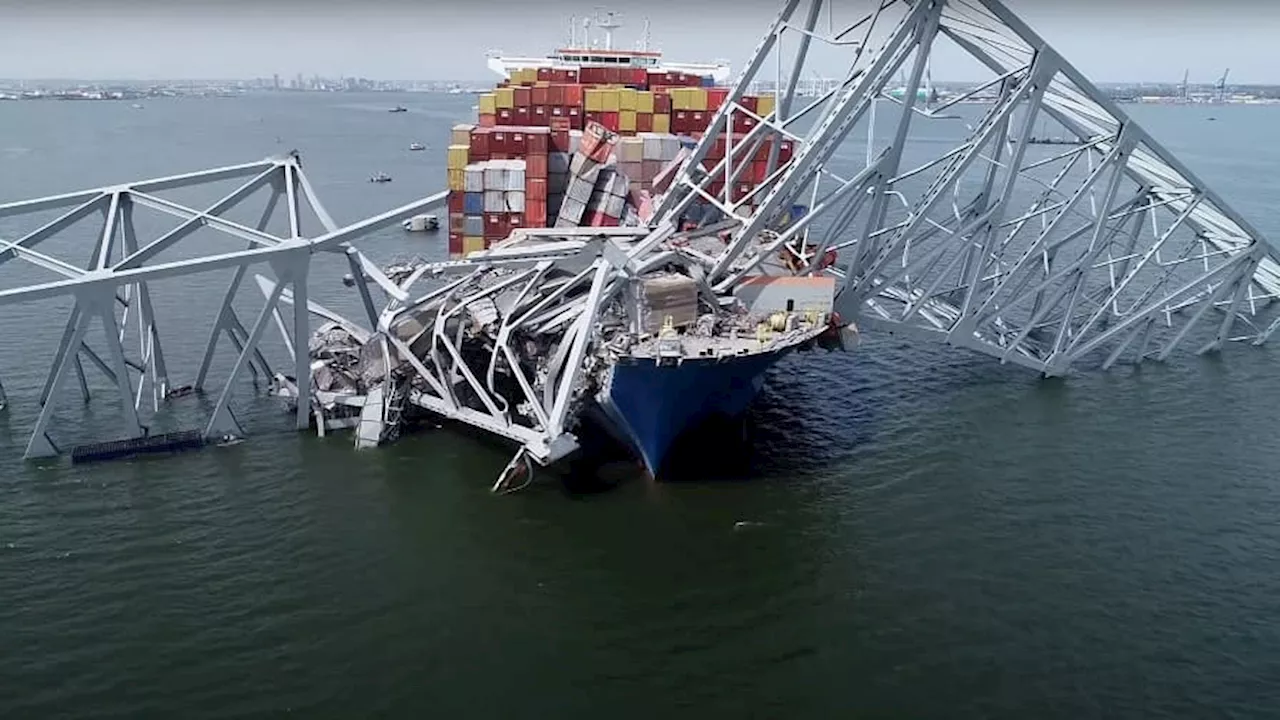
[(947, 223)]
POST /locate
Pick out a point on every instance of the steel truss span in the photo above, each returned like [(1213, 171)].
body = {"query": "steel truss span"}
[(1096, 247), (949, 217), (111, 291)]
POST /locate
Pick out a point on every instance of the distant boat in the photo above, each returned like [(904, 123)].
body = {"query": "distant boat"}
[(417, 146), (421, 223), (399, 108), (136, 106), (380, 178)]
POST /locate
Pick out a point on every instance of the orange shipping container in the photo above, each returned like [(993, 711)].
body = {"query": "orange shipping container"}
[(488, 120), (573, 95), (540, 96), (535, 214), (535, 189), (536, 166)]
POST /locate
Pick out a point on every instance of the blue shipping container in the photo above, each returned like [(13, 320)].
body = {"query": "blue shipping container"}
[(472, 203)]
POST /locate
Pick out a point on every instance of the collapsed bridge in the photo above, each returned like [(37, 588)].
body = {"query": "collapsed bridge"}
[(1050, 257)]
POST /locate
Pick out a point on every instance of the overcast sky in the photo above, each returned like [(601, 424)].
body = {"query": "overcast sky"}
[(1116, 40)]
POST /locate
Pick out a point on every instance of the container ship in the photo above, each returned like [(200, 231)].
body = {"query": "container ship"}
[(529, 132), (587, 137)]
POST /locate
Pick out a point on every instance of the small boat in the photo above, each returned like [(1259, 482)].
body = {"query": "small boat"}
[(417, 146), (399, 108), (380, 178), (421, 223)]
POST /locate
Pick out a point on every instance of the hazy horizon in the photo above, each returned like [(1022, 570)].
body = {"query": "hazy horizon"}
[(402, 41)]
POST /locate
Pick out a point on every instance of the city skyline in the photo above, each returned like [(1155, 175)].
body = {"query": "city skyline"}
[(400, 41)]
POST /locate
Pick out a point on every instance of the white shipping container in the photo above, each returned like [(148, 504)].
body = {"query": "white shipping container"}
[(652, 146), (494, 202), (492, 175), (631, 149), (670, 147), (613, 206), (575, 140), (579, 189), (514, 201), (473, 178), (514, 176), (571, 212)]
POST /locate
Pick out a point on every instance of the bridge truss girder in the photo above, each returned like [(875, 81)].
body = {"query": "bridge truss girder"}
[(1049, 259), (112, 289)]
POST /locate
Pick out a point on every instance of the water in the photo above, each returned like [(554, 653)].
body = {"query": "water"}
[(927, 534)]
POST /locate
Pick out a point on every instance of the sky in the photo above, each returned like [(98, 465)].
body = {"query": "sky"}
[(1109, 40)]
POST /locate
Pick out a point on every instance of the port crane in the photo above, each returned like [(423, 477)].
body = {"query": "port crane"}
[(1109, 251)]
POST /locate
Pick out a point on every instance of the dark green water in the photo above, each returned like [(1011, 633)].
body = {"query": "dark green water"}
[(934, 535)]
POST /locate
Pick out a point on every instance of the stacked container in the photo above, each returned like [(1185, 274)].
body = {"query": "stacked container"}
[(590, 143)]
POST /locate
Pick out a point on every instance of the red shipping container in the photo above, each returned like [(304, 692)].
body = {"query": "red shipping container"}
[(535, 213), (455, 201), (758, 169), (639, 76), (785, 149), (455, 243), (576, 119), (516, 143), (522, 116), (457, 222), (679, 122), (560, 139), (748, 102), (535, 190), (741, 190), (716, 188), (544, 73), (488, 120), (716, 97), (555, 111), (479, 145), (523, 97), (593, 116), (555, 95), (535, 166), (538, 141), (599, 219), (644, 122), (513, 221), (498, 142), (573, 95), (698, 121), (662, 104), (540, 115), (505, 117), (540, 96), (571, 76), (717, 148), (610, 120), (494, 226)]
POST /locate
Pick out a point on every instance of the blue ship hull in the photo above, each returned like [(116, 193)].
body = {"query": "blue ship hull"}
[(651, 405)]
